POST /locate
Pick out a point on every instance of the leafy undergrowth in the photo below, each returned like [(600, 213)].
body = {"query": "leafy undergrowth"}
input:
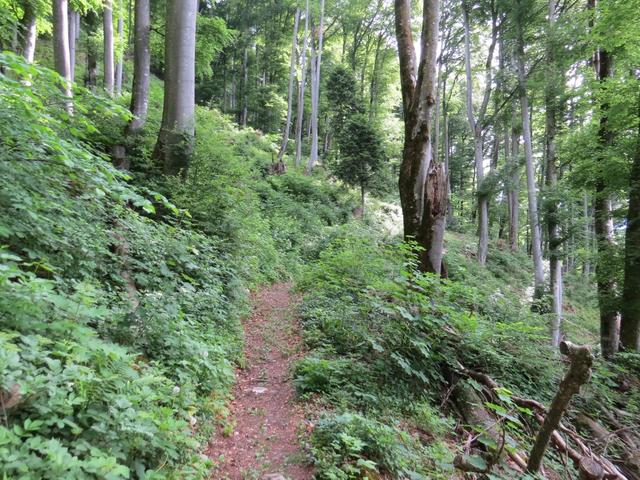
[(387, 343), (119, 307)]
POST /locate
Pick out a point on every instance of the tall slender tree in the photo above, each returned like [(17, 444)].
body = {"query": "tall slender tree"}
[(630, 325), (107, 20), (477, 124), (120, 56), (554, 81), (422, 180), (28, 30), (73, 37), (522, 11), (176, 138), (301, 87), (61, 42), (316, 64), (292, 77), (603, 222), (141, 67)]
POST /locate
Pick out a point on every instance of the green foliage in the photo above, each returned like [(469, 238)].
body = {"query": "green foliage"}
[(212, 36), (105, 391), (403, 333), (350, 446)]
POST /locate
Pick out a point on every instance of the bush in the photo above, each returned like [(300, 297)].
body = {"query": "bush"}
[(350, 446)]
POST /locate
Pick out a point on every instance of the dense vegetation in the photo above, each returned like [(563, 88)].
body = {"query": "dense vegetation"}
[(223, 153)]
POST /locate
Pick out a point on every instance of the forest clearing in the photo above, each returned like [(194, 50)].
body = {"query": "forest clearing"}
[(319, 239)]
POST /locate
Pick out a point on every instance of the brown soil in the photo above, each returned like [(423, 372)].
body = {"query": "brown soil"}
[(267, 422)]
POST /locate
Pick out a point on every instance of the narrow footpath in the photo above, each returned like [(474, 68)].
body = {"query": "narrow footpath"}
[(264, 443)]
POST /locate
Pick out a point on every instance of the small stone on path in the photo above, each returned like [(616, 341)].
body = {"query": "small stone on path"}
[(258, 390)]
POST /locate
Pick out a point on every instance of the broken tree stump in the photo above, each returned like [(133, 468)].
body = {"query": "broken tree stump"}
[(578, 374)]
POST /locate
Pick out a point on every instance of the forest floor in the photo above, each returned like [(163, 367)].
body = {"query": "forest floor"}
[(263, 439)]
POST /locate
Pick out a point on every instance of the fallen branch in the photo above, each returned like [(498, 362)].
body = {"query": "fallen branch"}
[(612, 472), (578, 374)]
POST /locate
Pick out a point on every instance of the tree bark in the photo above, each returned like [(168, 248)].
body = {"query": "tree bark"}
[(141, 68), (73, 37), (536, 244), (315, 93), (422, 180), (630, 325), (244, 117), (301, 88), (603, 223), (476, 126), (28, 31), (292, 77), (176, 138), (107, 21), (586, 264), (554, 82), (120, 63), (61, 42), (578, 374)]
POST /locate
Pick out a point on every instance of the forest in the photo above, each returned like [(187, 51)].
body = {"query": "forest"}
[(320, 239)]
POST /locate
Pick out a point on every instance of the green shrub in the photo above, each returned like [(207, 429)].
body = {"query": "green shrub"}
[(350, 446)]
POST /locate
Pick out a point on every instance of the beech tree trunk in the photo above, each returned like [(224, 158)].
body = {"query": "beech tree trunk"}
[(107, 21), (630, 326), (120, 63), (422, 182), (28, 31), (476, 126), (513, 191), (244, 116), (292, 77), (73, 36), (536, 244), (301, 88), (141, 67), (316, 63), (61, 42), (587, 242), (176, 137), (554, 82), (603, 223)]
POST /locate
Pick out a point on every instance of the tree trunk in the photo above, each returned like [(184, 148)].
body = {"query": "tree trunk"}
[(107, 21), (141, 68), (301, 88), (73, 37), (586, 265), (630, 326), (244, 117), (28, 31), (120, 64), (61, 42), (315, 93), (476, 126), (514, 186), (536, 245), (554, 82), (176, 137), (603, 224), (292, 77), (422, 180)]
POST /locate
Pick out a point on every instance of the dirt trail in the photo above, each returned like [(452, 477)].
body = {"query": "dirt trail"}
[(267, 420)]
